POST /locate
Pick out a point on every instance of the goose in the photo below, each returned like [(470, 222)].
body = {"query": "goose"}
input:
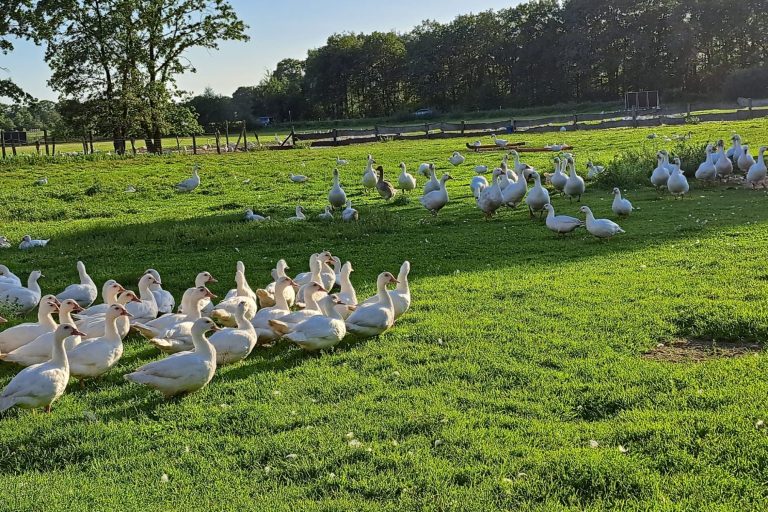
[(593, 170), (4, 243), (319, 332), (401, 295), (502, 143), (477, 185), (677, 183), (41, 182), (189, 184), (377, 317), (707, 170), (19, 335), (298, 178), (424, 169), (574, 186), (504, 177), (146, 309), (349, 214), (299, 217), (385, 188), (327, 273), (437, 199), (22, 300), (600, 228), (109, 292), (95, 357), (621, 206), (341, 162), (347, 294), (8, 278), (481, 169), (164, 299), (433, 183), (457, 158), (337, 270), (266, 296), (490, 198), (669, 167), (757, 172), (84, 293), (184, 372), (513, 195), (745, 161), (337, 197), (724, 165), (405, 181), (369, 177), (41, 385), (39, 350), (561, 224), (659, 176), (206, 306), (235, 344), (559, 178), (192, 301), (95, 326), (735, 151), (224, 311), (537, 196), (327, 215), (254, 217), (27, 242), (261, 320), (518, 166), (315, 276), (313, 293)]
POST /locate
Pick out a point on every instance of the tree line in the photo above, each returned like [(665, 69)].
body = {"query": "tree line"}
[(538, 53)]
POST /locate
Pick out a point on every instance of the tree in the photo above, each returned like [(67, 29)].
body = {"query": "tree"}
[(14, 19)]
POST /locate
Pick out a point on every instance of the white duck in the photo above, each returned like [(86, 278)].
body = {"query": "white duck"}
[(574, 186), (145, 310), (593, 170), (735, 151), (405, 181), (299, 216), (437, 199), (746, 160), (559, 178), (235, 344), (4, 243), (369, 176), (519, 167), (561, 224), (377, 317), (41, 385), (502, 143), (433, 183), (457, 158), (95, 357), (337, 197), (164, 298), (254, 217), (707, 170), (660, 175), (84, 293), (349, 214), (263, 316), (95, 326), (224, 311), (19, 299), (601, 228), (19, 335), (513, 195), (206, 306), (298, 178), (424, 169), (620, 206), (490, 198), (347, 294), (183, 372), (8, 278), (678, 183), (192, 302), (724, 165), (401, 295), (504, 177), (266, 296), (481, 169), (326, 215), (757, 172), (340, 162), (39, 350), (27, 242), (319, 332), (477, 185), (537, 196), (189, 184), (109, 292)]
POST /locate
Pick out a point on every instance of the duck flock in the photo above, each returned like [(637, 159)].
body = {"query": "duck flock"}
[(87, 340)]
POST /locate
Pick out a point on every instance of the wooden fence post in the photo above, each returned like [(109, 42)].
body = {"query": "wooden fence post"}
[(85, 145), (688, 111), (226, 133), (293, 137), (2, 142), (575, 121), (194, 144), (90, 139), (13, 148), (178, 144), (335, 136), (463, 126), (37, 147), (634, 117), (514, 126), (218, 145), (376, 130), (245, 137), (53, 148), (45, 138), (426, 129), (258, 142), (133, 145), (749, 105)]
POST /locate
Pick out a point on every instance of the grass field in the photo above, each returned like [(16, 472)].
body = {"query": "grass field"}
[(520, 349)]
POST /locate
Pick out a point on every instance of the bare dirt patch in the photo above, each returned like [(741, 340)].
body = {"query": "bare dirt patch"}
[(696, 350)]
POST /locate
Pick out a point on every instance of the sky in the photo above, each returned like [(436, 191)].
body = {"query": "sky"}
[(278, 30)]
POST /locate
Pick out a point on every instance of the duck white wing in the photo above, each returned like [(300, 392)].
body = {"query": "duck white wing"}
[(35, 386), (83, 294), (165, 301)]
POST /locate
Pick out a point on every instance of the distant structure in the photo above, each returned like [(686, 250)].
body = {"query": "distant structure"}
[(643, 100)]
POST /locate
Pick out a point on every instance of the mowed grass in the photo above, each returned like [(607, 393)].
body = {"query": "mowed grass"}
[(520, 347)]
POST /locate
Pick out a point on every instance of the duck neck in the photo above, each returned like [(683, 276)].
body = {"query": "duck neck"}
[(196, 311), (202, 345), (110, 329), (384, 297), (84, 277), (310, 302), (59, 354), (329, 309), (281, 302), (65, 316), (242, 323), (32, 284), (346, 285), (402, 285), (45, 318)]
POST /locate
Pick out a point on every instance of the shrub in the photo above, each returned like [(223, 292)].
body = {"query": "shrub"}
[(634, 168), (746, 83)]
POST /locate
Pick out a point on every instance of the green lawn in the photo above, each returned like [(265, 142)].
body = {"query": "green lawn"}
[(520, 347)]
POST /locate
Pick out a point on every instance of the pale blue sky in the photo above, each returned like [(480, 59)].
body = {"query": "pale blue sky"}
[(278, 30)]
